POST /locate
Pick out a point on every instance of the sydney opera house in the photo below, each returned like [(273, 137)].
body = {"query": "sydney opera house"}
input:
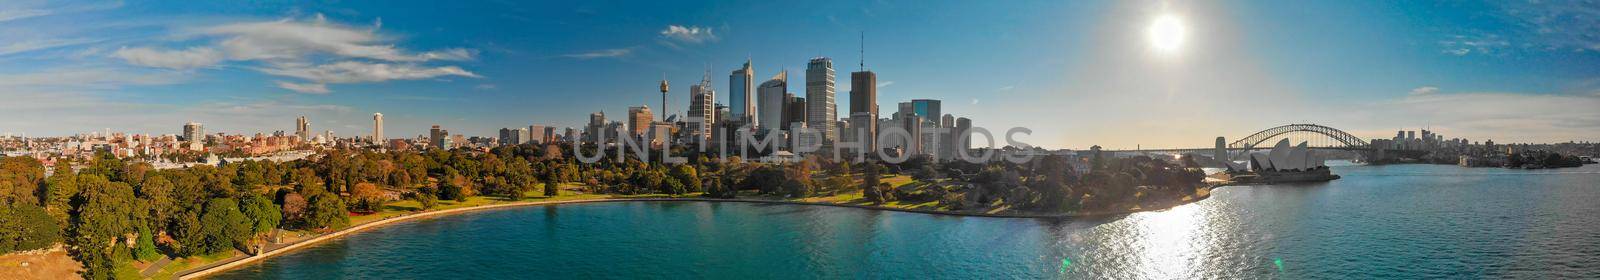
[(1282, 164)]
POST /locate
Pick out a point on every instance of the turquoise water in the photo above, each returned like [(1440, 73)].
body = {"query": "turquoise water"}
[(1399, 221)]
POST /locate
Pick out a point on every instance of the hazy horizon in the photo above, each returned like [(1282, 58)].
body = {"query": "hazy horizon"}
[(1076, 73)]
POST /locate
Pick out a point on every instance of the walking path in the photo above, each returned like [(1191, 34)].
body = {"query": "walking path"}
[(155, 267)]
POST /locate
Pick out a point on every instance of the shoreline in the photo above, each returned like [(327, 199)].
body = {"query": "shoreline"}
[(223, 267)]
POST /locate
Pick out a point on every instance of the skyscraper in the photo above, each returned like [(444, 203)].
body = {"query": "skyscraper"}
[(508, 137), (596, 128), (377, 129), (302, 128), (864, 107), (794, 111), (538, 134), (438, 137), (772, 101), (639, 120), (742, 107), (702, 110), (928, 109), (820, 110)]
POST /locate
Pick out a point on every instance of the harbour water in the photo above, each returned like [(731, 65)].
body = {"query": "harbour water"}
[(1395, 221)]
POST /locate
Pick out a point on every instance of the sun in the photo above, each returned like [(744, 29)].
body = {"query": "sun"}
[(1167, 33)]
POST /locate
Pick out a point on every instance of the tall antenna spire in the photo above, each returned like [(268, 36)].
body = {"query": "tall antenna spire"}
[(863, 65)]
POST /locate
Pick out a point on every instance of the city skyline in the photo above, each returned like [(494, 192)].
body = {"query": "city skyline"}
[(1500, 71)]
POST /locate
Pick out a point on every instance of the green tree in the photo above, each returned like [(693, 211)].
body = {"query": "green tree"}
[(145, 248), (26, 227), (60, 190), (104, 213), (326, 211), (869, 184), (156, 191), (263, 215), (553, 180), (20, 178), (450, 190), (223, 226), (425, 197), (688, 176), (186, 229)]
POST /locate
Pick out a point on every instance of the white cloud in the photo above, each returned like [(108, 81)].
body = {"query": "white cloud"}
[(304, 88), (610, 53), (10, 15), (361, 72), (1424, 90), (315, 50), (287, 39), (84, 78), (689, 34), (886, 83), (1007, 88), (191, 58), (33, 45)]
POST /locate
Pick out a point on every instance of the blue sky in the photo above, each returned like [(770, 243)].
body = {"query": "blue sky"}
[(1077, 73)]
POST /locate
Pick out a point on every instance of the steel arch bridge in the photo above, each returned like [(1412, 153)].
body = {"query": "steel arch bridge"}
[(1344, 139)]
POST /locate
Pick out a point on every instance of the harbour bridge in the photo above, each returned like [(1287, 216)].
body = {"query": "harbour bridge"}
[(1314, 135)]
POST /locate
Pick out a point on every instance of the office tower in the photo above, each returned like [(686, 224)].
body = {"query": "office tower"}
[(508, 137), (864, 99), (549, 135), (377, 129), (439, 138), (863, 130), (569, 135), (457, 140), (928, 109), (820, 111), (913, 126), (639, 120), (963, 125), (771, 101), (302, 128), (537, 134), (702, 109), (794, 111), (742, 106), (722, 114), (596, 128), (904, 109), (659, 134), (522, 136), (612, 130)]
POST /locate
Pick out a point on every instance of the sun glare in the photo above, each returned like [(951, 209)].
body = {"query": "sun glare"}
[(1167, 33)]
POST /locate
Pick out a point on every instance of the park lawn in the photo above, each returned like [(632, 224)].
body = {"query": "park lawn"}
[(179, 264), (125, 270), (849, 198), (896, 181)]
